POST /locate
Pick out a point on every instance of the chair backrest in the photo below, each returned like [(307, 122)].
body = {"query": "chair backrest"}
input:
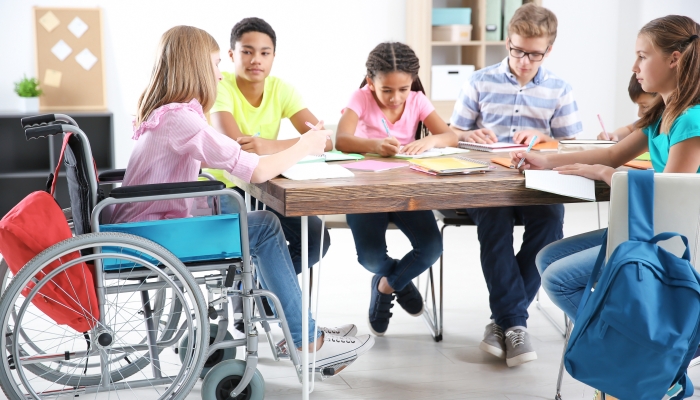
[(676, 209), (83, 188)]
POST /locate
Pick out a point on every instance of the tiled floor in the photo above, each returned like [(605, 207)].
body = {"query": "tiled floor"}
[(407, 363)]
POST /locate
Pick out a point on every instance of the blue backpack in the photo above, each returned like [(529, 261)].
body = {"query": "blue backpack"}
[(637, 328)]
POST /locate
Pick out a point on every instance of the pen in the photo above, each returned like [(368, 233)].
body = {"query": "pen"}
[(310, 125), (532, 143), (386, 128), (603, 126)]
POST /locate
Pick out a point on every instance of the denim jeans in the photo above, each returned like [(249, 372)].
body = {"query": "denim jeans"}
[(512, 279), (369, 232), (275, 271), (291, 226), (566, 266)]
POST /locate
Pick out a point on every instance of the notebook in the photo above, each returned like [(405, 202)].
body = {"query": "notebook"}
[(644, 157), (300, 172), (493, 147), (639, 164), (331, 156), (504, 161), (449, 166), (564, 185), (435, 152), (374, 165), (546, 146)]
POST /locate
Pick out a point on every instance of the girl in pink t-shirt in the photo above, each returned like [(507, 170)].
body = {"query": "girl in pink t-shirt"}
[(391, 98)]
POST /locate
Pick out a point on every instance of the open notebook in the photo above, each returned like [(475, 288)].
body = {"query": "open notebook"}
[(493, 147), (565, 185), (333, 155), (300, 172), (434, 152)]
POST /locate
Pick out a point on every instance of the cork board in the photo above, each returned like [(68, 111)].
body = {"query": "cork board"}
[(69, 58)]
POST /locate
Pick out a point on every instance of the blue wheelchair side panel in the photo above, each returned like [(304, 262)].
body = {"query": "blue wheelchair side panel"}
[(206, 238)]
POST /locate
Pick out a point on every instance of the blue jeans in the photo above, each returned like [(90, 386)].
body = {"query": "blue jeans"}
[(369, 232), (275, 271), (512, 279), (566, 266), (291, 226)]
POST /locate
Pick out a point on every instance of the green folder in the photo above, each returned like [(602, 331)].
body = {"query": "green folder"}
[(644, 157), (494, 20), (509, 8)]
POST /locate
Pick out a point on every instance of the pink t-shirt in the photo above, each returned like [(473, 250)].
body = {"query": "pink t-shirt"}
[(170, 147), (417, 109)]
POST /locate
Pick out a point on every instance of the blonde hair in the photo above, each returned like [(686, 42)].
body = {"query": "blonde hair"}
[(531, 20), (182, 71)]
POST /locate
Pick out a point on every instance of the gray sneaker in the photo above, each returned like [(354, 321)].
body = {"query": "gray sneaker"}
[(493, 341), (519, 348)]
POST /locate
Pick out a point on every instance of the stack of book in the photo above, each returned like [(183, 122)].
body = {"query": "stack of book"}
[(449, 166)]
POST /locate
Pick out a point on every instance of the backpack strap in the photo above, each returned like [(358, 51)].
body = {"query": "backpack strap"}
[(594, 276), (640, 204), (66, 136)]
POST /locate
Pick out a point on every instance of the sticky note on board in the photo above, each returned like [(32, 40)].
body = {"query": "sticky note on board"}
[(77, 27), (61, 50), (52, 78), (86, 59), (49, 21)]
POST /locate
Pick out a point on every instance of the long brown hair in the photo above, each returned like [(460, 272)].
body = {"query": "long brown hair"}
[(182, 71), (391, 57), (668, 34)]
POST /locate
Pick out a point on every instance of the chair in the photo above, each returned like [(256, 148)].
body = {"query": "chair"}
[(676, 209)]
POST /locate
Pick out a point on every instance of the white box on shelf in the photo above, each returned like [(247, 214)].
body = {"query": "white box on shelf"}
[(447, 80)]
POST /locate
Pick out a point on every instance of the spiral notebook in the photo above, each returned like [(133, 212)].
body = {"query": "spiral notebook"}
[(492, 147), (449, 165)]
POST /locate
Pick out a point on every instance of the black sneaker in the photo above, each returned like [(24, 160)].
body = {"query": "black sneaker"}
[(379, 307), (409, 299)]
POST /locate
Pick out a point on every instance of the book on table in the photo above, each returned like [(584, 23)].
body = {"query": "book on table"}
[(449, 165), (492, 147)]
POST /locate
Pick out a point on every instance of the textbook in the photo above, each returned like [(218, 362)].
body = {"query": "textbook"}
[(434, 152), (449, 166), (300, 172), (564, 185), (493, 147)]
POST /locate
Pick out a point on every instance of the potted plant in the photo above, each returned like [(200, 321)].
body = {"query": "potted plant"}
[(28, 91)]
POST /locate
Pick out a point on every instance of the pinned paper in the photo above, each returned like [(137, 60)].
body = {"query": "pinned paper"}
[(61, 50), (86, 59), (52, 78), (77, 27), (49, 21)]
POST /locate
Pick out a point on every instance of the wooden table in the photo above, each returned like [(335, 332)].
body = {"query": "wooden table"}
[(400, 189)]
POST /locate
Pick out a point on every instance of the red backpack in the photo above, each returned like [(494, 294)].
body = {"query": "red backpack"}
[(34, 225)]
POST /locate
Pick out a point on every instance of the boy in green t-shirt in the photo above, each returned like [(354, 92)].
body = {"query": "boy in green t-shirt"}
[(249, 107)]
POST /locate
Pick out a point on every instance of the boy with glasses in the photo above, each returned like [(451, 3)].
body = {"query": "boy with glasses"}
[(513, 101)]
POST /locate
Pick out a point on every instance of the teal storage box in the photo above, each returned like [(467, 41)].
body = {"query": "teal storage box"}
[(452, 16), (206, 238)]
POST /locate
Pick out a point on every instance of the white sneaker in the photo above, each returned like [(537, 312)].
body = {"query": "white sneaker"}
[(341, 350), (343, 330)]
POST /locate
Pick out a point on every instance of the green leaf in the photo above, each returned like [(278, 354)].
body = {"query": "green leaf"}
[(28, 87)]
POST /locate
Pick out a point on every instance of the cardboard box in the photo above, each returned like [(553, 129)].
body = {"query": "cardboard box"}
[(452, 33)]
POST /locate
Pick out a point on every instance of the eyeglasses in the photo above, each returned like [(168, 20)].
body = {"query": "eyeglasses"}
[(517, 53)]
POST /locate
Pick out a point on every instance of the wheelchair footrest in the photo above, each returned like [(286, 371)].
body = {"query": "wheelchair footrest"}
[(332, 370)]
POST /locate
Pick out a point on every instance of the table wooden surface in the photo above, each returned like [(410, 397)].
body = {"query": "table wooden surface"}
[(403, 189)]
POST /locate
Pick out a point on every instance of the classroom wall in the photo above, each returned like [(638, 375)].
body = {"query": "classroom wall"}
[(322, 47)]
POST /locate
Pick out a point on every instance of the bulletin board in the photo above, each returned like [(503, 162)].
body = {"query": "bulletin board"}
[(70, 58)]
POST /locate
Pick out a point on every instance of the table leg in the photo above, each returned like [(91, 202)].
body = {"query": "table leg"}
[(305, 307)]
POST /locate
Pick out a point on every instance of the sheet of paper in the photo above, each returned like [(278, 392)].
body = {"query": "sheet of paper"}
[(61, 50), (49, 21), (52, 78), (300, 172), (434, 152), (565, 185), (86, 59), (77, 27)]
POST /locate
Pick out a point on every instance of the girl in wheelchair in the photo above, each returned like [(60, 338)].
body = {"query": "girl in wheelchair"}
[(173, 139)]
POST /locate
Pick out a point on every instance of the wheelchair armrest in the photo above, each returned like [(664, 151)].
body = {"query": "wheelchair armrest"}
[(160, 189), (112, 176)]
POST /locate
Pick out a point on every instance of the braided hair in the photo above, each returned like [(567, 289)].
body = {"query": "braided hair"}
[(392, 57)]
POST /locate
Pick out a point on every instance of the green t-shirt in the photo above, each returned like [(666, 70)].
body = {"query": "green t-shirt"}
[(280, 100), (686, 126)]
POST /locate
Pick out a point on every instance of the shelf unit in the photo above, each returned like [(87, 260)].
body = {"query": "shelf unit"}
[(477, 52), (25, 165)]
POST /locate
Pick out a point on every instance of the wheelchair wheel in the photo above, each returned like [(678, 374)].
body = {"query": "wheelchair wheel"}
[(224, 377), (218, 356), (146, 300)]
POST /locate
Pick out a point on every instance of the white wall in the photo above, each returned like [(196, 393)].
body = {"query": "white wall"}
[(323, 45)]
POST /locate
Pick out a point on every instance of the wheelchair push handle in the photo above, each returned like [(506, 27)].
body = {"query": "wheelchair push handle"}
[(43, 131), (47, 119)]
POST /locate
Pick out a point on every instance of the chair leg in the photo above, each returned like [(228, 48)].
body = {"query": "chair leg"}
[(549, 317), (433, 318), (560, 378)]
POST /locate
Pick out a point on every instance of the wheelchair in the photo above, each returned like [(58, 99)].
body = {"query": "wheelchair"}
[(149, 279)]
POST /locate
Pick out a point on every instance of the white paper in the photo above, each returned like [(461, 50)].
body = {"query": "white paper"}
[(300, 172), (77, 27), (565, 185), (49, 21), (86, 59), (61, 50), (435, 152)]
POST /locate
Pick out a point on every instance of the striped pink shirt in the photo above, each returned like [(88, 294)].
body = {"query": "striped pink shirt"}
[(171, 145)]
